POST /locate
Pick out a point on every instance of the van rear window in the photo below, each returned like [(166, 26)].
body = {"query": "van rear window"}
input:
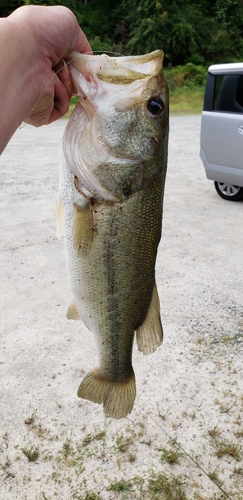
[(228, 93)]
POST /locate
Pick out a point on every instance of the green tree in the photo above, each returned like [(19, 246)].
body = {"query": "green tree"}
[(197, 31), (97, 19), (8, 6), (201, 31), (71, 4), (221, 33), (160, 24)]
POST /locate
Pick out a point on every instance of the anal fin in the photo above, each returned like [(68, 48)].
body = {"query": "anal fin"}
[(72, 312), (149, 335)]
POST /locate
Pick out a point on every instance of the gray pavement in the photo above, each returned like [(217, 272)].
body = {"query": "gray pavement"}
[(43, 357)]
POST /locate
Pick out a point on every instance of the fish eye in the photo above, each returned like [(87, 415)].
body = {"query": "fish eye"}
[(155, 106)]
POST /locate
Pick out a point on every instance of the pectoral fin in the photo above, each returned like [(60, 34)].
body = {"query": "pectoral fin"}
[(82, 228), (149, 335), (72, 312), (59, 219)]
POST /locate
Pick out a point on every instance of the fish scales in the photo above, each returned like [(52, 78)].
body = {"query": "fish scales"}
[(111, 242)]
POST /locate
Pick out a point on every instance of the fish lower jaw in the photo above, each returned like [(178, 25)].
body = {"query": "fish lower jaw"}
[(117, 396)]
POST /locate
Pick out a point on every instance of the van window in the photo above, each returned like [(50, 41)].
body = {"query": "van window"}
[(228, 93)]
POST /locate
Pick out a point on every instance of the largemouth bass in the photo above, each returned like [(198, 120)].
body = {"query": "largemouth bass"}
[(111, 190)]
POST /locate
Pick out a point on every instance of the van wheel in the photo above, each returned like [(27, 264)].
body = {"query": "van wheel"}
[(229, 191)]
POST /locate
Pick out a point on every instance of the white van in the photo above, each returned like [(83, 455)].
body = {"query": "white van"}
[(221, 148)]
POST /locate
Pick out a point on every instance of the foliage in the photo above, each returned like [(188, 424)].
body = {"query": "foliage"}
[(159, 24), (7, 6), (199, 32)]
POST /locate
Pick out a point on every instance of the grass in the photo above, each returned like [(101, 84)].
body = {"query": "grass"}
[(121, 485), (164, 487), (214, 432), (158, 486), (238, 470), (31, 453), (5, 468), (123, 443), (97, 436), (185, 101), (89, 495), (170, 455), (214, 476), (230, 449)]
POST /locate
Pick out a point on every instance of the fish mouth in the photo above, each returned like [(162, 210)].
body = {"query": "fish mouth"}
[(121, 69), (108, 87)]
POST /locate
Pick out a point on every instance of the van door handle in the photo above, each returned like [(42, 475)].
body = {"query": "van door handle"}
[(240, 129)]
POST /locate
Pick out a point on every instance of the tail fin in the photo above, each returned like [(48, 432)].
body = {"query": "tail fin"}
[(117, 397)]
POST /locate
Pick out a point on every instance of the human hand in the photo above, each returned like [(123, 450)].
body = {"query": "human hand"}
[(53, 32)]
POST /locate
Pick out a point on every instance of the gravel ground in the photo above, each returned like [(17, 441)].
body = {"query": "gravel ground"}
[(185, 432)]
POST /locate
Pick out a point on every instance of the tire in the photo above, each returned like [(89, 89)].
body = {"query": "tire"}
[(229, 191)]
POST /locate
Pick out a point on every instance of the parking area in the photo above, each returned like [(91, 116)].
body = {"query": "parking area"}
[(191, 385)]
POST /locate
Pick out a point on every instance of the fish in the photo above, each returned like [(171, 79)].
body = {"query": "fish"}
[(112, 176)]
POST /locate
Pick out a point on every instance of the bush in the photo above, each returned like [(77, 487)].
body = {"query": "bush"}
[(188, 76)]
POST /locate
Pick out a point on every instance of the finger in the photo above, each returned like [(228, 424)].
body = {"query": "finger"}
[(75, 37), (61, 100), (63, 73), (82, 45), (41, 112)]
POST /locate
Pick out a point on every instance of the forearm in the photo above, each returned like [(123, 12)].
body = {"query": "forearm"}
[(18, 69)]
